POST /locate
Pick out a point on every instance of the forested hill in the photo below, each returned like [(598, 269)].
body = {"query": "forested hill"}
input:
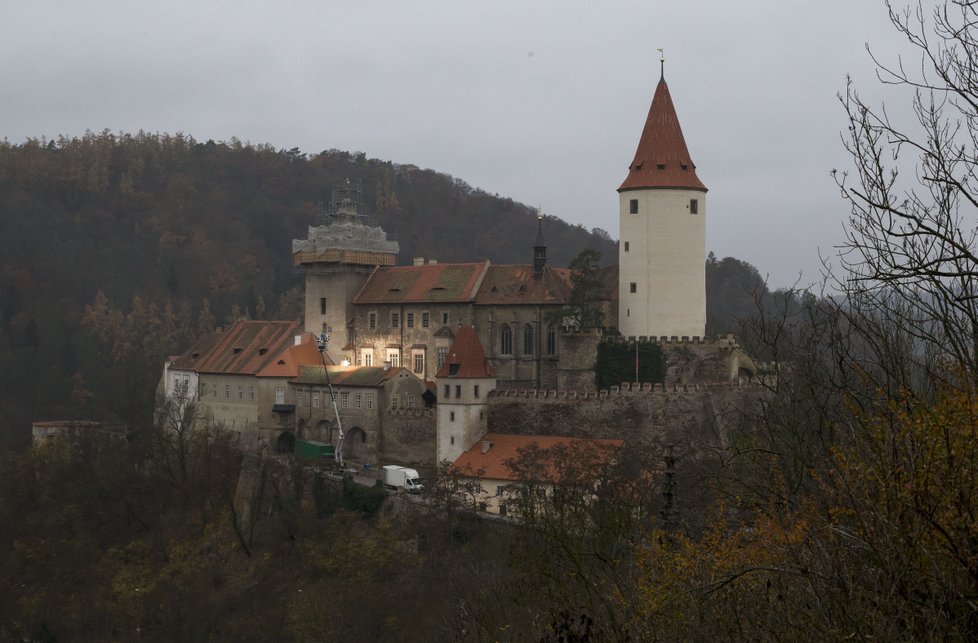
[(162, 222)]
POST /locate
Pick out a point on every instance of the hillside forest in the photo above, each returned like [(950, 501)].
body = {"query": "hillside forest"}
[(161, 238)]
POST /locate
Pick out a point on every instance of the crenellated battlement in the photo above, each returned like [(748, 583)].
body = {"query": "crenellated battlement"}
[(424, 412), (726, 341), (626, 388)]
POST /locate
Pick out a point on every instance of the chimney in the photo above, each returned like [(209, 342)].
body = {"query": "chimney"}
[(387, 365), (419, 261), (486, 445)]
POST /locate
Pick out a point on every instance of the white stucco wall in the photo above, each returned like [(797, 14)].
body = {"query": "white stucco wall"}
[(457, 436), (666, 260)]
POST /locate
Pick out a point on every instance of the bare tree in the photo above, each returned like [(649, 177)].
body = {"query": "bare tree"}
[(910, 253)]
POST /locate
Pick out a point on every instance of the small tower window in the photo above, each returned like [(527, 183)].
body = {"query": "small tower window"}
[(633, 287), (694, 206), (322, 305), (626, 246), (633, 206)]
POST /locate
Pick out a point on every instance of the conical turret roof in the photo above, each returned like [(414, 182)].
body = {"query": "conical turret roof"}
[(662, 160)]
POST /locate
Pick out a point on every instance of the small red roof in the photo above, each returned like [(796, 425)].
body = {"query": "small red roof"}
[(466, 357), (662, 160), (434, 282), (504, 447), (292, 358)]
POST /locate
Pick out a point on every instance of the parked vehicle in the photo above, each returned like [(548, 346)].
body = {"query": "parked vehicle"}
[(313, 449), (398, 477)]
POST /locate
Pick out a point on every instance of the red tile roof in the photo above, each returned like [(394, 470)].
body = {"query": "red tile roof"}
[(516, 285), (504, 448), (348, 375), (435, 282), (466, 357), (244, 349), (662, 155), (295, 356)]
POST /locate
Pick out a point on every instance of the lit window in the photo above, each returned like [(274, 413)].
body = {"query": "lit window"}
[(442, 356), (394, 357), (368, 357)]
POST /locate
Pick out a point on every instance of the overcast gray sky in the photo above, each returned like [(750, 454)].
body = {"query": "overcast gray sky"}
[(541, 101)]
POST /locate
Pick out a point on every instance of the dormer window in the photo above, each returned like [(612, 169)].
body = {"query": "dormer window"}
[(661, 166), (685, 167), (262, 351), (237, 350)]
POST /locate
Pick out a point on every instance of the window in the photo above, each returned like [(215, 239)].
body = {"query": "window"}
[(358, 400), (394, 357), (633, 206), (299, 397), (409, 320), (344, 400), (251, 393), (280, 395), (694, 206), (551, 340), (626, 246), (227, 391), (395, 320), (475, 391), (393, 402), (661, 166), (372, 321), (315, 400), (425, 320), (458, 391), (240, 392), (442, 356), (444, 319), (448, 391), (451, 416), (451, 439), (370, 400), (410, 400), (368, 357), (633, 287), (322, 305), (213, 390), (528, 340), (505, 340), (419, 362)]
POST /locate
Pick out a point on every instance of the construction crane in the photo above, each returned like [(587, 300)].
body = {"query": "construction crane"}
[(321, 342)]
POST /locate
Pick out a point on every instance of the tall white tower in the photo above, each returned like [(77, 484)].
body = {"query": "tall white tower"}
[(662, 252)]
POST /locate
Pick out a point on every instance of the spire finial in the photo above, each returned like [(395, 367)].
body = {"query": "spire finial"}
[(662, 63)]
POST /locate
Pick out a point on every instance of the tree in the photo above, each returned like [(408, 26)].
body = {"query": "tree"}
[(583, 311), (910, 251)]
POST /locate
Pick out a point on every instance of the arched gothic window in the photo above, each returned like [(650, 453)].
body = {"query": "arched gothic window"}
[(551, 340), (505, 340), (528, 340)]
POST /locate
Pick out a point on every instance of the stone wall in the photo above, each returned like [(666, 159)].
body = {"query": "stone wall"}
[(408, 437), (578, 353)]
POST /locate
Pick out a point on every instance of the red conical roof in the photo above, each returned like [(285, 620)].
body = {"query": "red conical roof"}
[(466, 357), (662, 160)]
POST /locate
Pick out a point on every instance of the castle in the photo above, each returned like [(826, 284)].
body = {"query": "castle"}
[(421, 356)]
